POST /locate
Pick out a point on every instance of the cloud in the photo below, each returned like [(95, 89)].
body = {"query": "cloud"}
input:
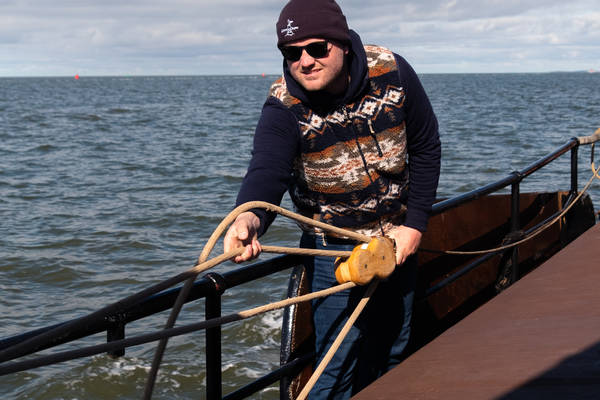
[(488, 36), (238, 36), (112, 37)]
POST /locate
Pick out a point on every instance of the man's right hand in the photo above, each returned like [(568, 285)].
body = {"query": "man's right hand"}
[(243, 233)]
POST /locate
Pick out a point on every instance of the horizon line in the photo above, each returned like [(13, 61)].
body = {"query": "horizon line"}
[(79, 75)]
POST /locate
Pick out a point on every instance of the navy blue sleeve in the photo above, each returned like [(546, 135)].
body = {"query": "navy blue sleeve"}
[(424, 148), (276, 142)]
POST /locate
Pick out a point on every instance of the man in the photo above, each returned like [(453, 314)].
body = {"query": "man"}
[(350, 133)]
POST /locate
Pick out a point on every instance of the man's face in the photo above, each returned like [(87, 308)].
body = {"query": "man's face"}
[(326, 73)]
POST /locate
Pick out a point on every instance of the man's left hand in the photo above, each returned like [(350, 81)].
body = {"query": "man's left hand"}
[(407, 242)]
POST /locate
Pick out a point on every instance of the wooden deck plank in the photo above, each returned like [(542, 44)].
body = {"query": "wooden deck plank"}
[(539, 339)]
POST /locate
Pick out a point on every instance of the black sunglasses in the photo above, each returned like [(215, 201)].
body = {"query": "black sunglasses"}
[(315, 50)]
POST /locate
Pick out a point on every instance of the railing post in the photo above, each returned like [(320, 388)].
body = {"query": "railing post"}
[(515, 224), (116, 331), (213, 338), (574, 172)]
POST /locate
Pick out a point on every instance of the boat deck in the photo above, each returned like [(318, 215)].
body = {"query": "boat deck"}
[(539, 339)]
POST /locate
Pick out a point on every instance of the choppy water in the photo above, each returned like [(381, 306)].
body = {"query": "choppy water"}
[(108, 185)]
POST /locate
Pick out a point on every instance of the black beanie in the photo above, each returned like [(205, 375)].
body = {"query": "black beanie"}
[(302, 19)]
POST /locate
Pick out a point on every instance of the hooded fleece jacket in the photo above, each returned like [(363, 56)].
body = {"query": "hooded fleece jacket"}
[(284, 147)]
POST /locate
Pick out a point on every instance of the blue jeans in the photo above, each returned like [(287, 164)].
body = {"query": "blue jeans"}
[(378, 338)]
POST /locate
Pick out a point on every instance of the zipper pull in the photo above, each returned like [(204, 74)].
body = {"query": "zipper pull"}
[(374, 137)]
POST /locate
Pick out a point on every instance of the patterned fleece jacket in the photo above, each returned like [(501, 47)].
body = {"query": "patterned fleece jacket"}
[(368, 160)]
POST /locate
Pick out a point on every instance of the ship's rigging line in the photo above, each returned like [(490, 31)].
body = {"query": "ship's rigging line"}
[(210, 244), (17, 366)]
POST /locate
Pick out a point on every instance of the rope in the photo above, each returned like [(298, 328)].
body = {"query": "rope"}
[(38, 341), (189, 283), (595, 137), (534, 233), (282, 211), (592, 159), (338, 340), (9, 368), (210, 244)]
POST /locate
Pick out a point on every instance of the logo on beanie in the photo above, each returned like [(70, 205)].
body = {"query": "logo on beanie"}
[(289, 29)]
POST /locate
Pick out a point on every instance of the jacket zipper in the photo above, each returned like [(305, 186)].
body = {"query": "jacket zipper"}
[(374, 137), (364, 160)]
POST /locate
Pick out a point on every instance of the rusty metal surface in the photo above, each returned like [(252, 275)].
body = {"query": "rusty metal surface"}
[(539, 339)]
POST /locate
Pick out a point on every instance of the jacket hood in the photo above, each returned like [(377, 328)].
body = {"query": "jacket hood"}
[(358, 69)]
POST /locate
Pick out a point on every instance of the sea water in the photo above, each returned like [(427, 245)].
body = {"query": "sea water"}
[(111, 184)]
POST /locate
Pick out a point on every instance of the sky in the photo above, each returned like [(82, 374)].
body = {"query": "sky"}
[(199, 37)]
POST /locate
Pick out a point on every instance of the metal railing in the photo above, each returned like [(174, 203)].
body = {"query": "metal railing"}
[(212, 286), (514, 181)]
